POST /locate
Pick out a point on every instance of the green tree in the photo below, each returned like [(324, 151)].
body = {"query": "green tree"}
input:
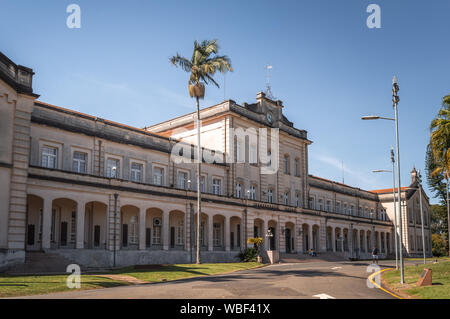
[(440, 146), (436, 181), (202, 66), (438, 216), (439, 245)]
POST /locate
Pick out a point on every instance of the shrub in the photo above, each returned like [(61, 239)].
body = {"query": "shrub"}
[(249, 254), (257, 241)]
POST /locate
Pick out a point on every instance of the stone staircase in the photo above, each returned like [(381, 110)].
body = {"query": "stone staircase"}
[(38, 262)]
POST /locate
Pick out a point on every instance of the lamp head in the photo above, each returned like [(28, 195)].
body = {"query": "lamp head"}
[(370, 117)]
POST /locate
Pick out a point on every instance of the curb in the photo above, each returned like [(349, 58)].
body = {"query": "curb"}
[(378, 286)]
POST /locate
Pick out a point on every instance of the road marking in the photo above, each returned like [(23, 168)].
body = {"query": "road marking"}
[(324, 296), (378, 286), (336, 268)]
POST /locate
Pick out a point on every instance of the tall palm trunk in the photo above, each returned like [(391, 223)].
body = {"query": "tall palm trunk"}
[(448, 213), (199, 200)]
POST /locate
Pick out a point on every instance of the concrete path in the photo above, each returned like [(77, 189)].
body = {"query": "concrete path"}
[(296, 280)]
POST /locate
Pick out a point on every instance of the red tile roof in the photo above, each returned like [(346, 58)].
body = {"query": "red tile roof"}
[(388, 190)]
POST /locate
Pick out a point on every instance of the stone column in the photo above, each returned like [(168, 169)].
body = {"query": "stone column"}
[(310, 237), (379, 241), (142, 221), (165, 230), (263, 234), (358, 239), (323, 237), (282, 235), (365, 240), (46, 222), (341, 235), (210, 233), (385, 243), (80, 225), (333, 239), (248, 230), (227, 233), (350, 241), (299, 241), (372, 239)]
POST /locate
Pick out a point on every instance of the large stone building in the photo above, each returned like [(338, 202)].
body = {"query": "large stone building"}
[(99, 192)]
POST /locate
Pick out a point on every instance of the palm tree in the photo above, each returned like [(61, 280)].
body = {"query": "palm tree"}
[(202, 66), (440, 147)]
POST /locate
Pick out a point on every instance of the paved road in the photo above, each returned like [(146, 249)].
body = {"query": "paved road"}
[(299, 280)]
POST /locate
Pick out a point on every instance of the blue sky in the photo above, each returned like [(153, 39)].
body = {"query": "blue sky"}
[(329, 68)]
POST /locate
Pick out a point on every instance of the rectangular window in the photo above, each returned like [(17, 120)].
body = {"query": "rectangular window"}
[(158, 176), (202, 184), (311, 202), (216, 186), (297, 200), (79, 162), (113, 168), (320, 204), (136, 172), (253, 155), (252, 192), (352, 209), (217, 235), (328, 205), (338, 207), (180, 233), (156, 235), (269, 158), (133, 233), (345, 208), (240, 154), (238, 190), (286, 165), (286, 198), (73, 227), (49, 157), (297, 167), (182, 180), (270, 196)]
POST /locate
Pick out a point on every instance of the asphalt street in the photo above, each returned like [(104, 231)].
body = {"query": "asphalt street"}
[(312, 280)]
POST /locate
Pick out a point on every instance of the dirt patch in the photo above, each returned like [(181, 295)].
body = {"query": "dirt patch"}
[(126, 278)]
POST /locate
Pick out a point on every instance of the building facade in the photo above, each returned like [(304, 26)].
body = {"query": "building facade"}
[(102, 193)]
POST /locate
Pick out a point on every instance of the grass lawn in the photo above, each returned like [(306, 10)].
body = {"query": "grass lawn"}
[(420, 259), (158, 273), (12, 286), (441, 281)]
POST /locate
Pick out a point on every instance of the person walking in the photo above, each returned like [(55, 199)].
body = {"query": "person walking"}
[(375, 255)]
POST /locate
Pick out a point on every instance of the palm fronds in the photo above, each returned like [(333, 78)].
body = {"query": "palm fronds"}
[(202, 66)]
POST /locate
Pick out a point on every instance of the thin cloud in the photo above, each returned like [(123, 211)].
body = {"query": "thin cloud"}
[(364, 180)]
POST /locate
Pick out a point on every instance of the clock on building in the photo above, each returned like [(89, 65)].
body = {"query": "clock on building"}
[(269, 117)]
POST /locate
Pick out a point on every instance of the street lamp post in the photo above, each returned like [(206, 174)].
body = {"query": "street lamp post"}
[(395, 209), (395, 100)]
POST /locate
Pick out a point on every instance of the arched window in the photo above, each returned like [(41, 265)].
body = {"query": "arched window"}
[(286, 164)]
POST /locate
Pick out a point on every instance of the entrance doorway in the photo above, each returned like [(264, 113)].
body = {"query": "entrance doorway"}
[(272, 238), (288, 240)]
